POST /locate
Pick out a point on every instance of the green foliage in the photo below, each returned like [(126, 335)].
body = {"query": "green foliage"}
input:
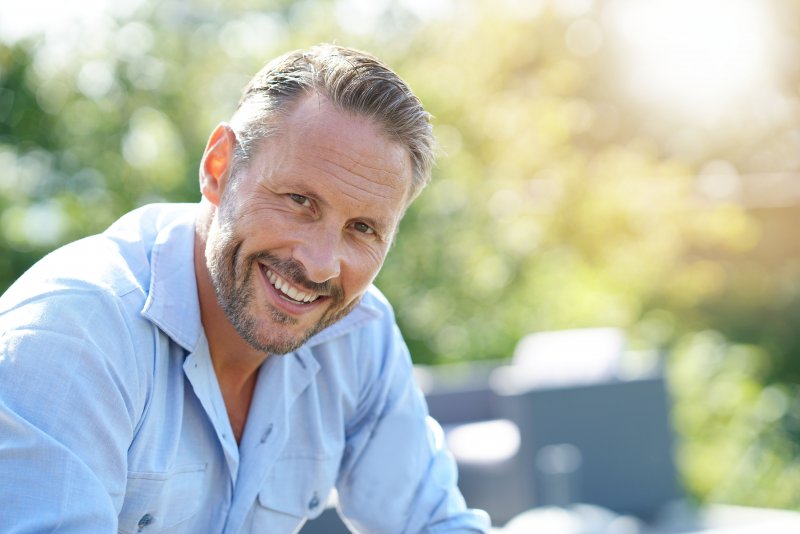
[(739, 438), (536, 218)]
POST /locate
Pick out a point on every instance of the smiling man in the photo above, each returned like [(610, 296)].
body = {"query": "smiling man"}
[(221, 367)]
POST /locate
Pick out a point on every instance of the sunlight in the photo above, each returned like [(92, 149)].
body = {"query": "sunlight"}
[(699, 57), (32, 17)]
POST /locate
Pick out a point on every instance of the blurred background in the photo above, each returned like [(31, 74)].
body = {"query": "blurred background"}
[(618, 163)]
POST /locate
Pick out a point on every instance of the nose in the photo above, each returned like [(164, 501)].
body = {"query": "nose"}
[(321, 257)]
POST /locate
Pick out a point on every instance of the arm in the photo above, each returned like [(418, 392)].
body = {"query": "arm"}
[(66, 419), (396, 474)]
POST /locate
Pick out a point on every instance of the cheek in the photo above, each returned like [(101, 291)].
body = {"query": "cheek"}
[(265, 232), (221, 241), (361, 273)]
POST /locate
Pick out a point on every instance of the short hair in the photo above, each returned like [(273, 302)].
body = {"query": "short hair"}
[(353, 81)]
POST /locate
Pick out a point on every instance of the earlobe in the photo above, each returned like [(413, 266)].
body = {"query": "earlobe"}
[(215, 167)]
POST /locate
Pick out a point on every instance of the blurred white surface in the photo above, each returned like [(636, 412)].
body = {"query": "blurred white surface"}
[(563, 358), (484, 442), (679, 518)]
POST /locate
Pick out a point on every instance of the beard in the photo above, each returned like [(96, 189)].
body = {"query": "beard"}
[(268, 329)]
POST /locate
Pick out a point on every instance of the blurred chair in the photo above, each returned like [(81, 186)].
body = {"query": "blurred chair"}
[(620, 432), (573, 390), (587, 427)]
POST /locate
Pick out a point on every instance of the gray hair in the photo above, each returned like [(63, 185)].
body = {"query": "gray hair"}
[(351, 80)]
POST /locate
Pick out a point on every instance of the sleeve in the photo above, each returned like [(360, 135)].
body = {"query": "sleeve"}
[(396, 474), (66, 418)]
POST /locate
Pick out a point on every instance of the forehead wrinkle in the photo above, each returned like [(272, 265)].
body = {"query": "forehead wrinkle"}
[(354, 165), (384, 190)]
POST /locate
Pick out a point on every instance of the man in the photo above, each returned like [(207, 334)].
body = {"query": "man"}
[(221, 367)]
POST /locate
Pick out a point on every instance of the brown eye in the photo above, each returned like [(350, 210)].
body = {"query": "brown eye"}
[(300, 199), (363, 228)]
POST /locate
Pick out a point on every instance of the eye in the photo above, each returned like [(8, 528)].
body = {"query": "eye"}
[(363, 228), (300, 199)]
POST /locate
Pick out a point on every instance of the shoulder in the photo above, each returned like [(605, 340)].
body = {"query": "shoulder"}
[(83, 301), (111, 264), (73, 320)]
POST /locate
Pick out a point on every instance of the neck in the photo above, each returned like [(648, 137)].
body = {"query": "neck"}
[(235, 362)]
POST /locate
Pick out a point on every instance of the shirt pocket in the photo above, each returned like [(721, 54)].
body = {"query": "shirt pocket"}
[(156, 502), (296, 489)]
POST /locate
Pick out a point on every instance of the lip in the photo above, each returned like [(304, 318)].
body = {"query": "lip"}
[(276, 297)]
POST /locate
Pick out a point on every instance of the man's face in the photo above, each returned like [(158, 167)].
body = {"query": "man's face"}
[(303, 229)]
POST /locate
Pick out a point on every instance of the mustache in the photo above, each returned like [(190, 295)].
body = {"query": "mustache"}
[(294, 271)]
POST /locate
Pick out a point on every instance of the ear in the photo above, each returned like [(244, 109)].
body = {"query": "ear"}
[(215, 168)]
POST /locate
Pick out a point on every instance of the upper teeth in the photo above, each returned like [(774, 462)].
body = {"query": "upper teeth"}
[(292, 292)]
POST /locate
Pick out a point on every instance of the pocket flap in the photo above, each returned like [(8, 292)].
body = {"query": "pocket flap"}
[(298, 486), (161, 500)]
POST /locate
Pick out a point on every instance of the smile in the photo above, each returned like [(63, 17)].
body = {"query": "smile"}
[(289, 291)]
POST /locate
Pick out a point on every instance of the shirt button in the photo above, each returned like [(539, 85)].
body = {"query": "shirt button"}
[(267, 432), (314, 502), (145, 520)]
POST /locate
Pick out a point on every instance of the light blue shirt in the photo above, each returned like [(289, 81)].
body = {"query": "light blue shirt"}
[(111, 417)]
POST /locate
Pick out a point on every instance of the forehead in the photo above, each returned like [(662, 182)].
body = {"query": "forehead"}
[(341, 153)]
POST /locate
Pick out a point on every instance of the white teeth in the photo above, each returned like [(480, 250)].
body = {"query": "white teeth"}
[(284, 287)]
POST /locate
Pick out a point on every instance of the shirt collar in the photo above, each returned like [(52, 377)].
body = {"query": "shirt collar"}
[(172, 302), (173, 305), (364, 312)]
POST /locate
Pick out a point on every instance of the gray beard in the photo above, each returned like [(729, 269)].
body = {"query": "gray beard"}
[(231, 277)]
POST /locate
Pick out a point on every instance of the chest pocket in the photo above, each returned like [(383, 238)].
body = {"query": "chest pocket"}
[(157, 502), (296, 489)]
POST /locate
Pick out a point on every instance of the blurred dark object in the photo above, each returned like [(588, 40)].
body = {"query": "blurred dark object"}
[(569, 421), (327, 523)]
